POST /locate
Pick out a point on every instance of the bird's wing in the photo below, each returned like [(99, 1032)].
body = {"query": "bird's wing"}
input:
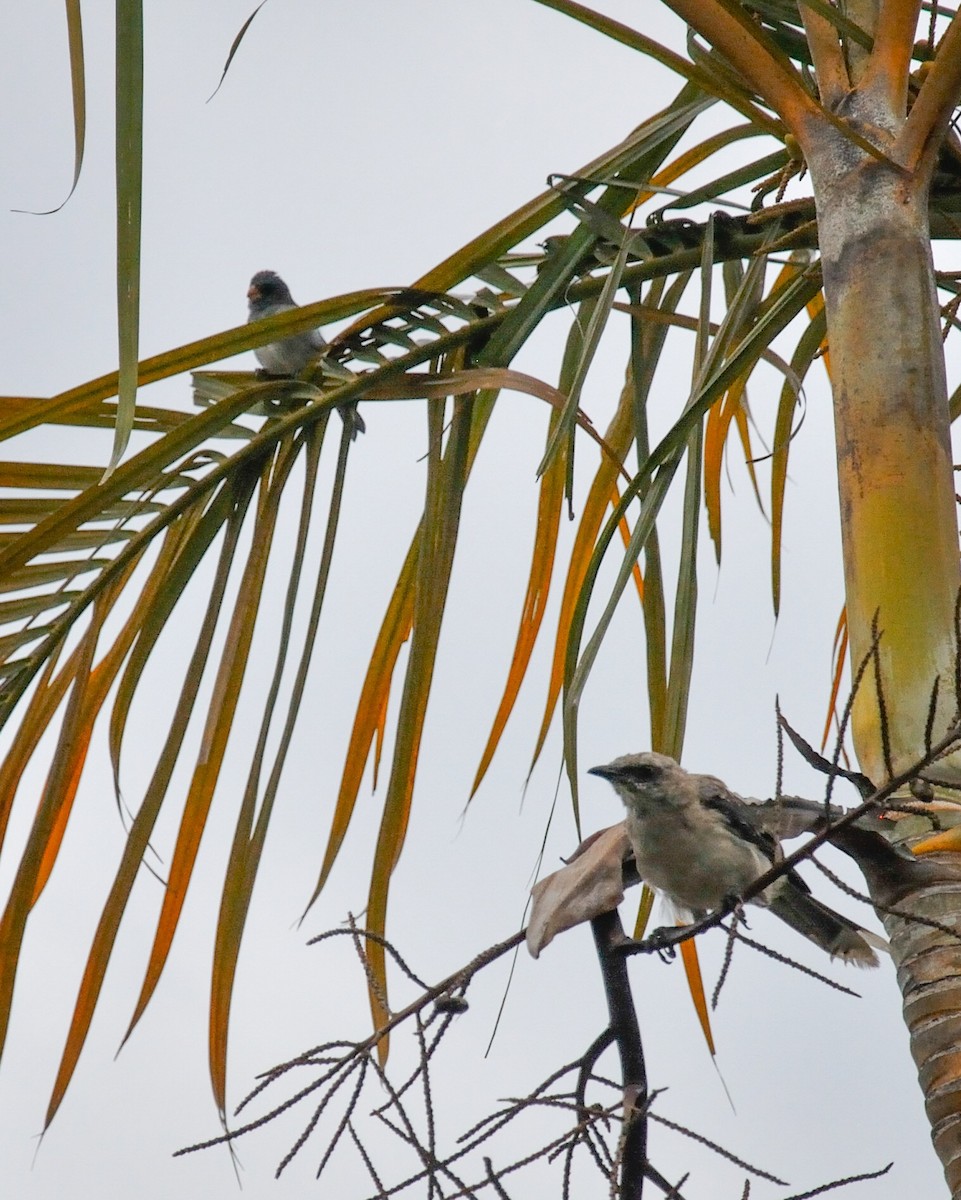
[(786, 817), (736, 816)]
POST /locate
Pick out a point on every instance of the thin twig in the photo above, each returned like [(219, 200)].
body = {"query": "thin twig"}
[(703, 1141), (890, 910), (736, 918), (344, 1123), (797, 966), (883, 726), (827, 1187), (365, 1157), (370, 936)]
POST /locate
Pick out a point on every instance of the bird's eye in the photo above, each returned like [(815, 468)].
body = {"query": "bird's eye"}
[(644, 772)]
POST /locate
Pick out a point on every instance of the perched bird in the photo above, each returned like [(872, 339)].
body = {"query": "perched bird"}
[(268, 295), (695, 841)]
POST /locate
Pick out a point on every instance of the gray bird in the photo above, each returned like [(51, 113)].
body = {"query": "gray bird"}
[(268, 295), (695, 841)]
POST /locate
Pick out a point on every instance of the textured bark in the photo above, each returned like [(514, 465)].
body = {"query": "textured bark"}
[(928, 962), (927, 966), (929, 976)]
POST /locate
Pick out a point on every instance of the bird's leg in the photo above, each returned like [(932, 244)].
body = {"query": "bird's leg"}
[(735, 906), (663, 940), (660, 941)]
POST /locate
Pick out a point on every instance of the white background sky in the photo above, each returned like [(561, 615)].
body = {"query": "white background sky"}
[(355, 144)]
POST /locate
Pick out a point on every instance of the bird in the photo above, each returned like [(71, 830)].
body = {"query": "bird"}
[(267, 296), (695, 841)]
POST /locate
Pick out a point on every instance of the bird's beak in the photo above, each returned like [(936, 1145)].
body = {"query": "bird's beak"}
[(253, 293), (607, 772)]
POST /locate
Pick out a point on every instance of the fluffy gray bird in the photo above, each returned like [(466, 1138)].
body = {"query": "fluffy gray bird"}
[(695, 841), (267, 296)]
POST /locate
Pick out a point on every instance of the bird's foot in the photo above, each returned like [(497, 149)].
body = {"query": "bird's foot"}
[(662, 942), (735, 906)]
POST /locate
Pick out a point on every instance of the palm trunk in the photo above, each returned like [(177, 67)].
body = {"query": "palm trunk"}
[(900, 538), (871, 160), (926, 957), (895, 474), (927, 967)]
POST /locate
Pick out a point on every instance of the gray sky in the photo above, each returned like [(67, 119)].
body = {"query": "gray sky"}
[(353, 145)]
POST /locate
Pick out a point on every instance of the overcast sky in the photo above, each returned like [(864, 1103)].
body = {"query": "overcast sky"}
[(356, 143)]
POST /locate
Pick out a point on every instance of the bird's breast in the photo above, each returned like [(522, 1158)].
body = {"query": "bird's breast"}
[(698, 864)]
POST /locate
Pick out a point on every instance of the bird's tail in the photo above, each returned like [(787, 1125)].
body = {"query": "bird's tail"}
[(834, 933)]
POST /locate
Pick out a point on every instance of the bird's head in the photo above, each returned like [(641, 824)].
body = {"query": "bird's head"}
[(643, 778), (268, 288)]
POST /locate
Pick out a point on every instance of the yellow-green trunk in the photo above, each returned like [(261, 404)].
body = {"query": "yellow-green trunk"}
[(895, 473)]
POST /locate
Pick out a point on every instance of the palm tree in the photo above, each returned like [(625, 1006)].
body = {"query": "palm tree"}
[(94, 578)]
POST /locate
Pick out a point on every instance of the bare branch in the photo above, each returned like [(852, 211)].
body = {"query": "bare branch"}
[(632, 1154)]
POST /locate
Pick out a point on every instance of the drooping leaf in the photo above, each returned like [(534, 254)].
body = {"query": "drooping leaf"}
[(808, 346), (447, 476), (778, 311), (55, 793), (129, 172), (248, 843), (219, 722), (839, 655), (235, 46), (236, 500), (542, 560)]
